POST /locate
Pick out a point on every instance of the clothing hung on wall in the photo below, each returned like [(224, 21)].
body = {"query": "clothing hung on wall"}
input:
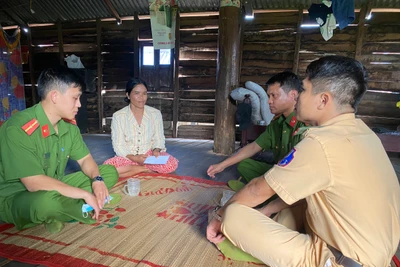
[(12, 91), (344, 12), (74, 62), (323, 14)]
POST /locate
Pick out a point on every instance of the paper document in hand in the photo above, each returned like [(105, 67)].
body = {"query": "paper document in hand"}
[(158, 160)]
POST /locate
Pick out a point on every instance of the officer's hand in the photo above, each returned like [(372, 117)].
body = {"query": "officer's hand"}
[(214, 234), (101, 193), (214, 169), (266, 210), (92, 201)]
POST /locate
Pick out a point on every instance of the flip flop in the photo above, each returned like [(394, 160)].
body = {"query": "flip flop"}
[(235, 253), (235, 185)]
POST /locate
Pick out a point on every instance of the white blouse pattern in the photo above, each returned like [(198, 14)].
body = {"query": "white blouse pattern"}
[(128, 137)]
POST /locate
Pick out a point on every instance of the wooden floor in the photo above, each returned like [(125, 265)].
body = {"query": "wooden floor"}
[(194, 156)]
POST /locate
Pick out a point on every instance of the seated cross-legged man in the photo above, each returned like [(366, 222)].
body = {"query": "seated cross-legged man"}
[(35, 145), (337, 185), (279, 136)]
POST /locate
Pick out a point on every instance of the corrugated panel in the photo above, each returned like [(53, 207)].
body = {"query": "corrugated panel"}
[(4, 19), (67, 10)]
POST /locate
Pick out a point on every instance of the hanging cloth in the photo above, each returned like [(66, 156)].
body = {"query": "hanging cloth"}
[(344, 12), (74, 62), (12, 92)]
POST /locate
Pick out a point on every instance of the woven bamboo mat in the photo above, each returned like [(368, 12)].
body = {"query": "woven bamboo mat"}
[(163, 226)]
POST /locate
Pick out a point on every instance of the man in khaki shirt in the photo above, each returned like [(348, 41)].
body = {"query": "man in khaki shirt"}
[(339, 172)]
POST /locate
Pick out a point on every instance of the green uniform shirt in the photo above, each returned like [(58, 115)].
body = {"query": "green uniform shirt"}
[(280, 136), (43, 151)]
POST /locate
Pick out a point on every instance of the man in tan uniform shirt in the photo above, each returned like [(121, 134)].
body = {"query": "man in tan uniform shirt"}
[(339, 172)]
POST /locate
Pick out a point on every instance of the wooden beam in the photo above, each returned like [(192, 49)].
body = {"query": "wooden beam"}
[(136, 52), (228, 74), (175, 111), (99, 74), (298, 42), (361, 29), (113, 11), (31, 69), (60, 43)]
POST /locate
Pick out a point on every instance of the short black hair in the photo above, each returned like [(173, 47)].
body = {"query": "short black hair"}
[(287, 80), (59, 78), (345, 78), (132, 83)]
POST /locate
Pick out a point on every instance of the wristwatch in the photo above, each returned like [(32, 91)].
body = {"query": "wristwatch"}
[(97, 179), (215, 214)]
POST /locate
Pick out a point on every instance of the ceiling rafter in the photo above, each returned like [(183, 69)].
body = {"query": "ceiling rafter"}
[(113, 11)]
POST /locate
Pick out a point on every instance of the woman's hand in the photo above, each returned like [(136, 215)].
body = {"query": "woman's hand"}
[(156, 152), (137, 158)]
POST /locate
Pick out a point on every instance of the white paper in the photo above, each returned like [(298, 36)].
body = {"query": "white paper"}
[(158, 160)]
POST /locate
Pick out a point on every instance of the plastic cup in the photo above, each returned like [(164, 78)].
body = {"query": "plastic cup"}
[(132, 187)]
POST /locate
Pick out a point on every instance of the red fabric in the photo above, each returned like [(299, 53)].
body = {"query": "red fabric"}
[(170, 166)]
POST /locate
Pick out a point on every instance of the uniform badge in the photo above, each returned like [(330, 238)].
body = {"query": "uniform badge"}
[(293, 121), (45, 131), (286, 160), (30, 126)]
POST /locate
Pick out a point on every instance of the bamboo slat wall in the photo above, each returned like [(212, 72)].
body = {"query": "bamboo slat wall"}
[(270, 42)]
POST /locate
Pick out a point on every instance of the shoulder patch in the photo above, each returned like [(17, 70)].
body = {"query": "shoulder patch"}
[(293, 121), (45, 131), (73, 121), (30, 126), (286, 160)]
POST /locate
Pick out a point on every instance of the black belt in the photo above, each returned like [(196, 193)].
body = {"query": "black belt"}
[(342, 259)]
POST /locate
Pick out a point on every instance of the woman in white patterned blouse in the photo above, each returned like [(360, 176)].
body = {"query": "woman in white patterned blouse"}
[(137, 132)]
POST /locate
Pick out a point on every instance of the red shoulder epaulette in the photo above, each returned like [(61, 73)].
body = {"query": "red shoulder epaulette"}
[(30, 126), (73, 121), (293, 121)]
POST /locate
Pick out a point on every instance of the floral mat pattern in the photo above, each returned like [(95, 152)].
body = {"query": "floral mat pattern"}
[(163, 226)]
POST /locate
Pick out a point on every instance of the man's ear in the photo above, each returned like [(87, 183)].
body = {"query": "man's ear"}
[(325, 100), (53, 96), (294, 94)]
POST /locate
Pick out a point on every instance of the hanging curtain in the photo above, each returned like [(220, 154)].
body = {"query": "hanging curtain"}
[(12, 94)]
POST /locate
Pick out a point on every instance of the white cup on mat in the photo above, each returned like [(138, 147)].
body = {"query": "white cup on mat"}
[(132, 187)]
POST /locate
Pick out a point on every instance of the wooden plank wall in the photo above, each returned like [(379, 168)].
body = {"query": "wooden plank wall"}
[(119, 67), (268, 47), (197, 75), (382, 37)]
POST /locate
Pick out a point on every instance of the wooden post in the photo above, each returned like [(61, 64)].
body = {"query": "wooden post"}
[(175, 110), (296, 55), (228, 73), (361, 29), (136, 53), (99, 74), (60, 43), (31, 70)]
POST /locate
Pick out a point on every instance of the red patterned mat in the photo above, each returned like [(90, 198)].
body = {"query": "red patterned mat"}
[(163, 226)]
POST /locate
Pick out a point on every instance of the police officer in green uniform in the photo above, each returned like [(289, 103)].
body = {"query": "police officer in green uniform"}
[(279, 136), (35, 145)]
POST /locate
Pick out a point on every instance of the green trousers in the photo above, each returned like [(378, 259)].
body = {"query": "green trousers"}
[(28, 209), (249, 168)]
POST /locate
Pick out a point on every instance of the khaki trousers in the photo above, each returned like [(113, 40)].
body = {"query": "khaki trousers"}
[(277, 241)]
